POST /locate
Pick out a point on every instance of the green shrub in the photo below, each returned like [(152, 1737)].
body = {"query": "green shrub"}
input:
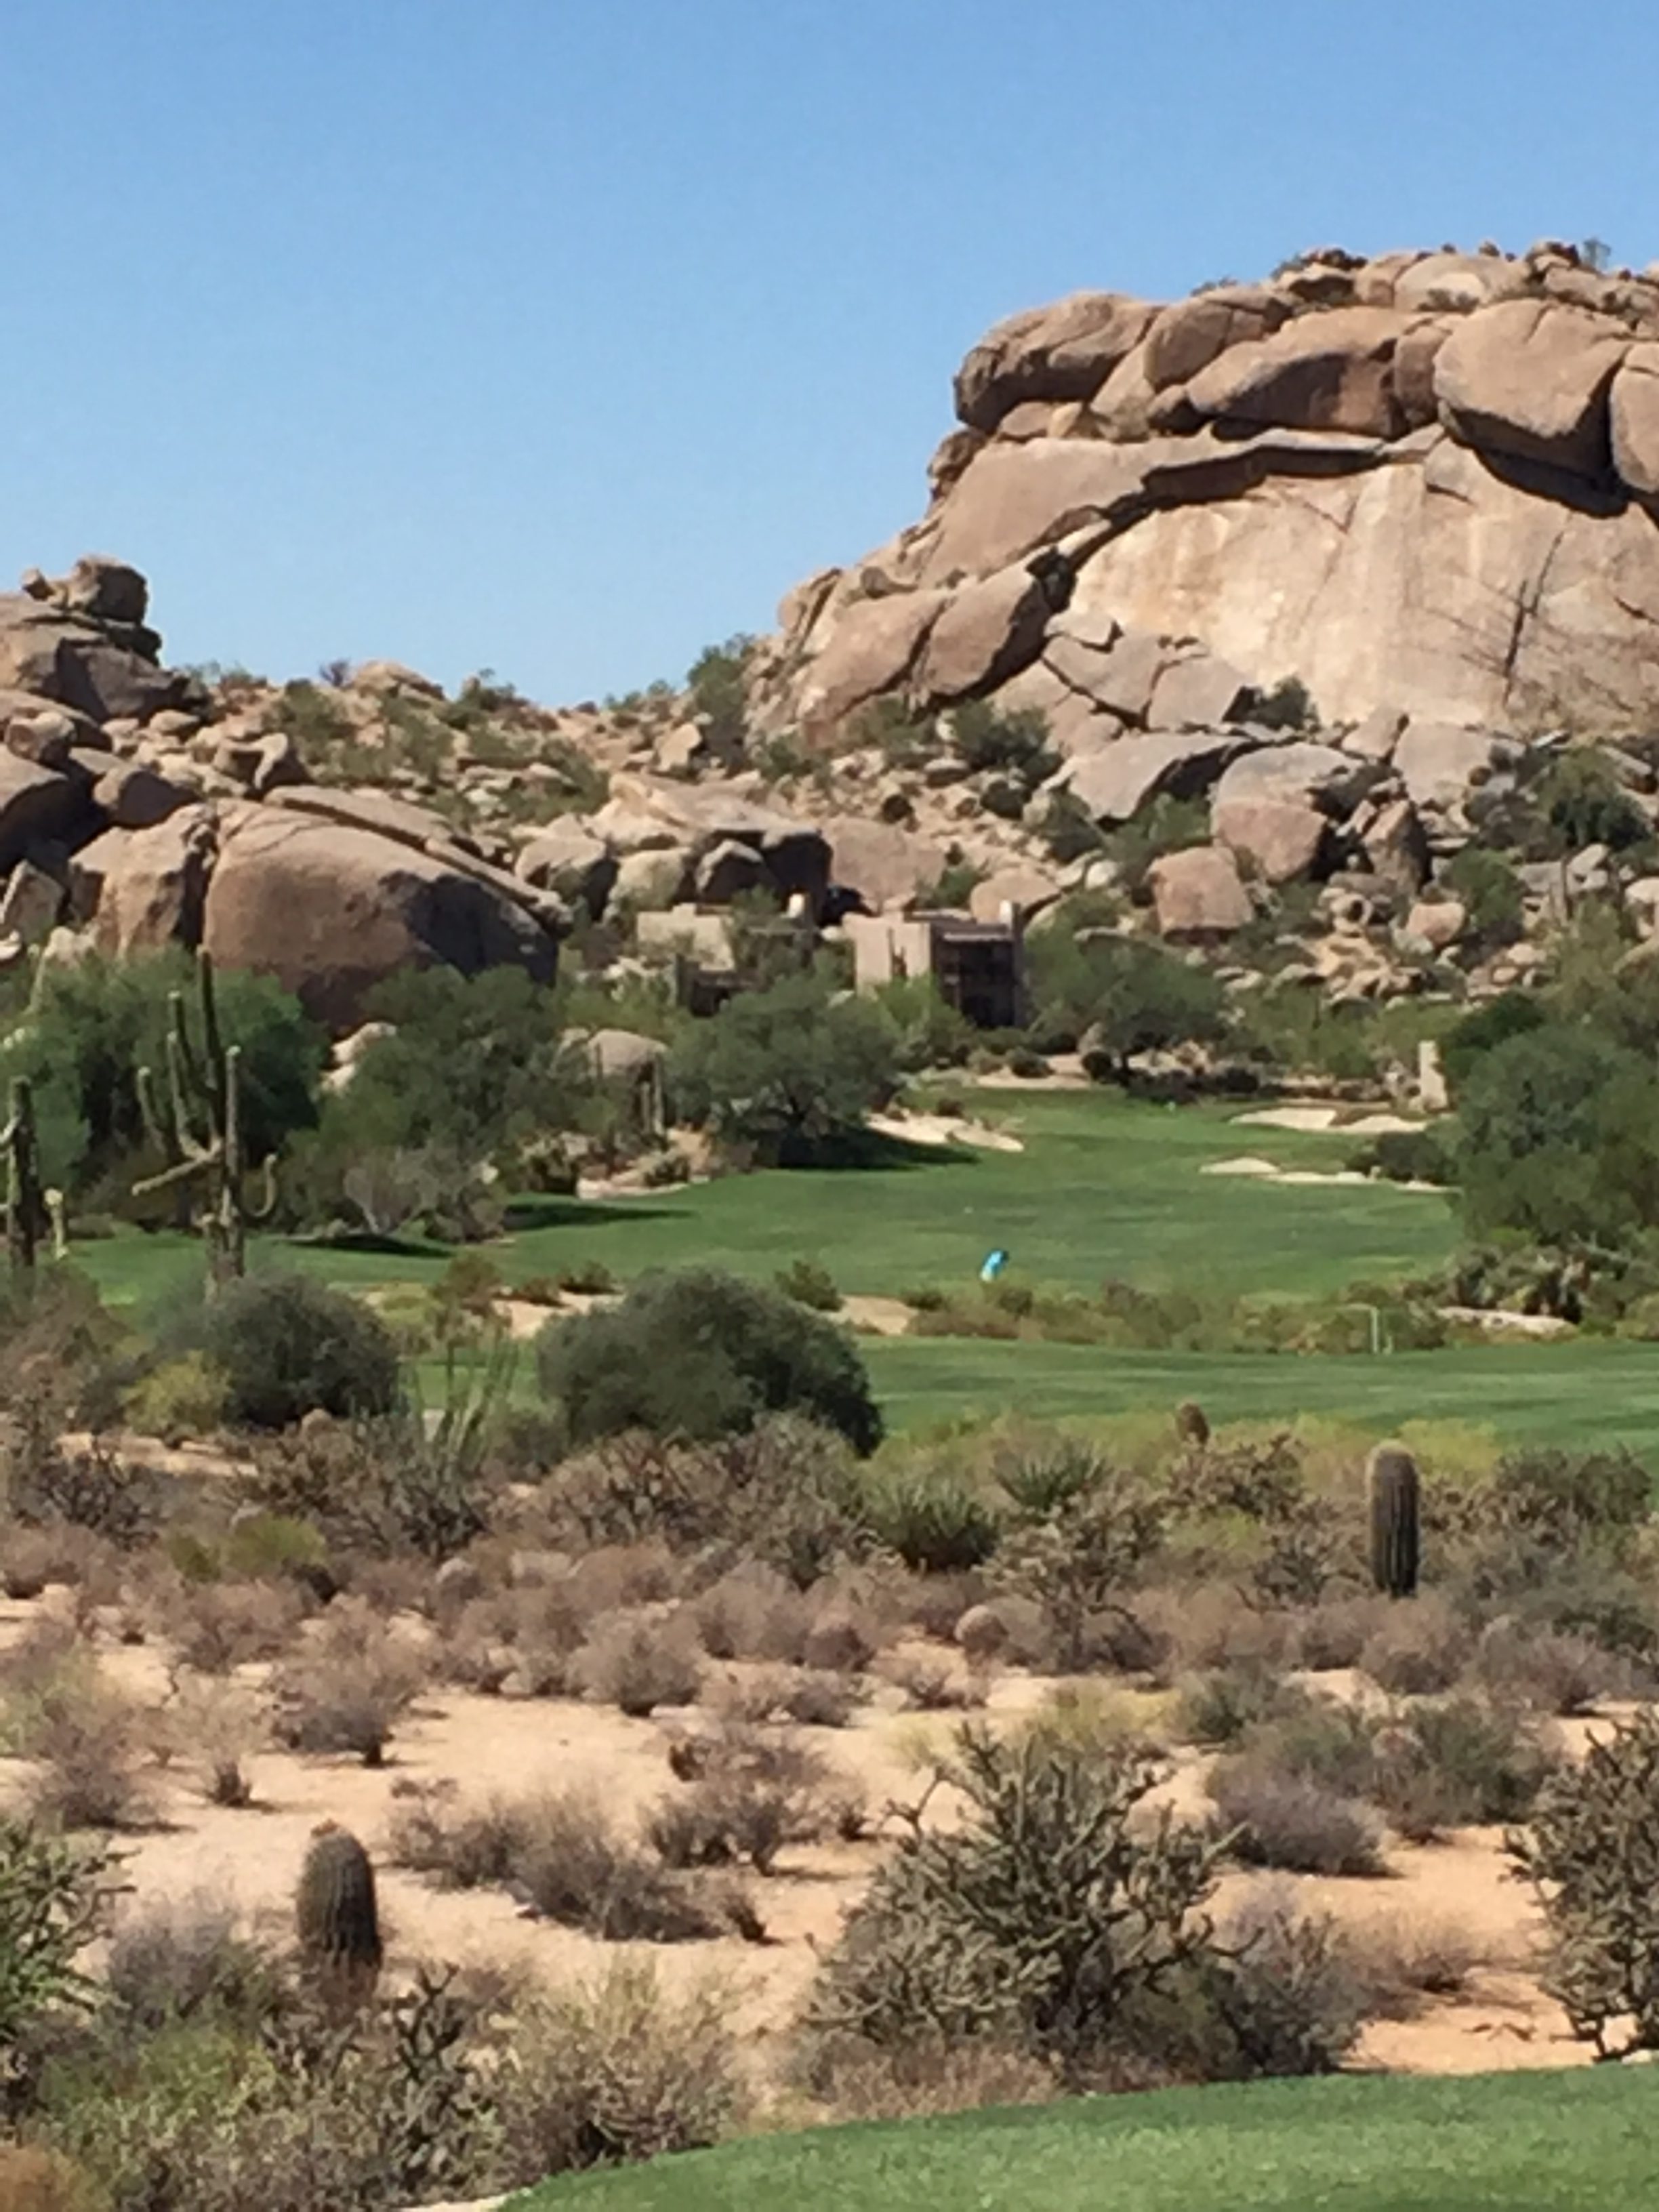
[(52, 1898), (810, 1284), (286, 1345), (701, 1354), (180, 1399), (936, 1525), (1492, 894)]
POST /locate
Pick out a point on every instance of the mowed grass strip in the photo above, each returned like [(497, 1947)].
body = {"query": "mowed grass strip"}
[(1106, 1188), (1585, 2142), (1595, 1392)]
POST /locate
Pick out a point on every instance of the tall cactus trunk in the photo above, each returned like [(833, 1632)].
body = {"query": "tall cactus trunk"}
[(27, 1218), (1393, 1500), (200, 1133)]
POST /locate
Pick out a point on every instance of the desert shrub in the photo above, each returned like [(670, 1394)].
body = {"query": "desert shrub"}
[(752, 1612), (935, 1524), (614, 2069), (1034, 1919), (565, 1858), (1077, 1562), (1283, 1820), (1404, 1156), (931, 1683), (86, 1486), (932, 2075), (639, 1659), (1335, 1632), (701, 1354), (1400, 1960), (286, 1345), (1545, 1670), (215, 1626), (1417, 1648), (784, 1494), (346, 1690), (810, 1284), (1568, 1499), (754, 1792), (1491, 892), (212, 1729), (185, 1959), (1040, 1482), (1446, 1763), (91, 1745), (1591, 1851), (379, 1488), (1220, 1704), (54, 1896)]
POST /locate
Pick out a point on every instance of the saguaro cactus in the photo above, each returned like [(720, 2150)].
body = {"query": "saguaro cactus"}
[(27, 1220), (1391, 1490), (198, 1127), (336, 1917)]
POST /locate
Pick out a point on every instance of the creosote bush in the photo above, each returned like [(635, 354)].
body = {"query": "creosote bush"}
[(701, 1354), (286, 1345)]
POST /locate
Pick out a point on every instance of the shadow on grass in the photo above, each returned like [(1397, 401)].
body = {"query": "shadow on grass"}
[(526, 1213), (867, 1150)]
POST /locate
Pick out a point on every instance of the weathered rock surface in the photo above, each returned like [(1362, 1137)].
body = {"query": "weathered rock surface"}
[(1529, 379), (1407, 482), (1115, 782), (1281, 838), (1199, 893), (332, 911)]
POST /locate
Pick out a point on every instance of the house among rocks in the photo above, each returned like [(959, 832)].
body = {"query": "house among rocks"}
[(977, 967)]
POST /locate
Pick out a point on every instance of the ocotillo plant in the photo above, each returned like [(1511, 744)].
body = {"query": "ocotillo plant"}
[(27, 1217), (1391, 1488), (198, 1127)]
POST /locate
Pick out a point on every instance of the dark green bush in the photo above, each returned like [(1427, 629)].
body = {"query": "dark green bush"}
[(791, 1071), (287, 1346), (935, 1524), (701, 1354)]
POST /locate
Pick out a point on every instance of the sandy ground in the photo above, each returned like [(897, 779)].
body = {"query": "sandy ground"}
[(1314, 1121), (1260, 1170), (943, 1129), (480, 1747)]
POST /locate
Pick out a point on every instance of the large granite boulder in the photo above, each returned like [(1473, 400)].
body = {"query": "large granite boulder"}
[(1062, 352), (1199, 893), (332, 911), (1528, 379)]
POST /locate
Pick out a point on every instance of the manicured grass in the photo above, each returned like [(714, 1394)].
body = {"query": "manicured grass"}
[(1595, 1391), (1514, 2142), (1105, 1189)]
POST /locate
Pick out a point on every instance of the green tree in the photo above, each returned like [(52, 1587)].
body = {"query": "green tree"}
[(94, 1023), (1558, 1138), (791, 1071), (699, 1354), (1124, 994), (472, 1064), (719, 684)]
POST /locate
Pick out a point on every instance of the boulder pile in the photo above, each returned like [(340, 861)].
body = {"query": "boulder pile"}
[(1421, 484)]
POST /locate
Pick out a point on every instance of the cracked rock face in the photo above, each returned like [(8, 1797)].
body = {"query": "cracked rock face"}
[(1427, 483)]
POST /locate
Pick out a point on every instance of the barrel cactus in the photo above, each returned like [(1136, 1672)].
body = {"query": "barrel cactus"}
[(336, 1917), (1192, 1423), (1392, 1494)]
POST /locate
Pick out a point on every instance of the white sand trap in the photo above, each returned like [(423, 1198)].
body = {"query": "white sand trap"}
[(1382, 1124), (1247, 1166), (1320, 1175), (1307, 1119), (1262, 1171), (943, 1129)]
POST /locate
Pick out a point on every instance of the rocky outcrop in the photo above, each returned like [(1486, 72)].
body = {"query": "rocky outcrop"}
[(1423, 482), (332, 911)]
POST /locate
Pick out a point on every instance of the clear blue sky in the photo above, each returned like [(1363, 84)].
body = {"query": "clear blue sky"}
[(561, 337)]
